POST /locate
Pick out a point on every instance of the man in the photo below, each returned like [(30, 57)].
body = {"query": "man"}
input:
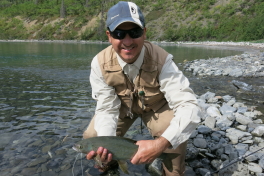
[(133, 78)]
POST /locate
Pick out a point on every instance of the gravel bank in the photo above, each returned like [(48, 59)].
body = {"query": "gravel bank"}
[(229, 130), (244, 65)]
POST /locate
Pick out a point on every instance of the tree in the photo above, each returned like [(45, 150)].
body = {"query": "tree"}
[(63, 11), (86, 3), (102, 21)]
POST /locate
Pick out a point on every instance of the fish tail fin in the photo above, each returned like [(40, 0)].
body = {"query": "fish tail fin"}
[(167, 159), (123, 166)]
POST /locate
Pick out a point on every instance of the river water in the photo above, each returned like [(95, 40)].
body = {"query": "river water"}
[(45, 101)]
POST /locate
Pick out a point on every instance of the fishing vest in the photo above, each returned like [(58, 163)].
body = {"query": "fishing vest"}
[(144, 94)]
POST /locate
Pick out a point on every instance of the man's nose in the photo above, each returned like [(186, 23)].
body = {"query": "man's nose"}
[(127, 40)]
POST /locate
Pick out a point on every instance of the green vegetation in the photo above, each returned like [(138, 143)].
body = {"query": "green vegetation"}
[(170, 20), (12, 29)]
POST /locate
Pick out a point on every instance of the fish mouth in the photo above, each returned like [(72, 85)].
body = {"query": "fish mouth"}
[(76, 147)]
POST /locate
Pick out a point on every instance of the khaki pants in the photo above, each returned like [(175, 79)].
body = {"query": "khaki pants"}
[(157, 122)]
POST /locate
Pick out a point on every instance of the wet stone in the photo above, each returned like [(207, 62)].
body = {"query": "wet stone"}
[(29, 171), (49, 173), (204, 129), (254, 168), (37, 161), (200, 143)]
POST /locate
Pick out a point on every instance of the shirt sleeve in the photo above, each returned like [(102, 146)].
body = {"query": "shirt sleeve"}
[(182, 100), (108, 103)]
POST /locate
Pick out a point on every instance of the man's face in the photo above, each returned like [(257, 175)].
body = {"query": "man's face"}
[(128, 48)]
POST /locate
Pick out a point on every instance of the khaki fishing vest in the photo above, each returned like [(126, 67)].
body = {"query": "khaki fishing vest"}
[(147, 80)]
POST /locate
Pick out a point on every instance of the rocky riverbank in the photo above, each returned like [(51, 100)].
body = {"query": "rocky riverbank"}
[(229, 130), (244, 65)]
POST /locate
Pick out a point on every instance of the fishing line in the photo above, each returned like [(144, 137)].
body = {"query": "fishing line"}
[(74, 163), (241, 158), (81, 164)]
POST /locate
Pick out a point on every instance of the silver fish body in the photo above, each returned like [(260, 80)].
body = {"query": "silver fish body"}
[(121, 148)]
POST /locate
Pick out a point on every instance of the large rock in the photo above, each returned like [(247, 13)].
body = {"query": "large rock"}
[(227, 109), (200, 143), (213, 111), (244, 120), (223, 122), (258, 131), (254, 167), (234, 134), (237, 72), (210, 122)]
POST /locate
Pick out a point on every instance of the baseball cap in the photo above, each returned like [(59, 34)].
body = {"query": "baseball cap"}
[(124, 12)]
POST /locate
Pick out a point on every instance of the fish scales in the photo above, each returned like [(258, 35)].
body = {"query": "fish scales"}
[(121, 148)]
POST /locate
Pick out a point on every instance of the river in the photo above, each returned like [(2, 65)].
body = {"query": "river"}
[(45, 101)]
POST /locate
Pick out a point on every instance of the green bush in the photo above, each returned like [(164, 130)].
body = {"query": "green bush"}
[(88, 34), (154, 15), (46, 32), (69, 35), (13, 29)]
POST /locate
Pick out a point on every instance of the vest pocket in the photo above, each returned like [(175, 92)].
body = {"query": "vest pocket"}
[(149, 76), (114, 78)]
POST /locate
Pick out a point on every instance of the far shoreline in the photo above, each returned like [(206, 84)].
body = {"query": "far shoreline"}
[(207, 43)]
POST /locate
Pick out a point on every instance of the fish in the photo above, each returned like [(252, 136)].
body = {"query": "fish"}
[(121, 148)]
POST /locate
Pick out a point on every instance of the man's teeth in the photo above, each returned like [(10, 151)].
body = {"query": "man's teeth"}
[(128, 49)]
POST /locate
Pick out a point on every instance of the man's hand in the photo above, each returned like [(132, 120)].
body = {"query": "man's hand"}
[(101, 153), (101, 156), (149, 150)]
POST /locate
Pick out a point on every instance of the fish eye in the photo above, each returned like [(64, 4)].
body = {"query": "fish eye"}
[(81, 147)]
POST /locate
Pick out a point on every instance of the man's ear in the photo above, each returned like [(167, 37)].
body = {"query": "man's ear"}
[(109, 36), (145, 33)]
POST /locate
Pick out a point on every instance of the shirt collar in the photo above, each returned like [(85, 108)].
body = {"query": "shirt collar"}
[(137, 63)]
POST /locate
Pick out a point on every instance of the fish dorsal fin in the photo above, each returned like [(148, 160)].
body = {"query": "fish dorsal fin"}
[(123, 166)]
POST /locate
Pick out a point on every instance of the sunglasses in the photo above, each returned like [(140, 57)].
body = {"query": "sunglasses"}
[(121, 34)]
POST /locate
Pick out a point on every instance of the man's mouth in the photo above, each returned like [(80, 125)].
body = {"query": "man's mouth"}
[(129, 49)]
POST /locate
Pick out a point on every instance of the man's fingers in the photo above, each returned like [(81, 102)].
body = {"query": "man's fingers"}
[(134, 160), (100, 151), (90, 155), (109, 157), (104, 155)]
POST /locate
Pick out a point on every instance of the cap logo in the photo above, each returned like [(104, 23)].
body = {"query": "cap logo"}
[(114, 16), (133, 10)]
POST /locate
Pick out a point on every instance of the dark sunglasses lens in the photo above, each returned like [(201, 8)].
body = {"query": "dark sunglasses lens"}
[(135, 33), (121, 34), (118, 34)]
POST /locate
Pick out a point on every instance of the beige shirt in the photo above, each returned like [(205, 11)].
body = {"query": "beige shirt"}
[(173, 84)]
